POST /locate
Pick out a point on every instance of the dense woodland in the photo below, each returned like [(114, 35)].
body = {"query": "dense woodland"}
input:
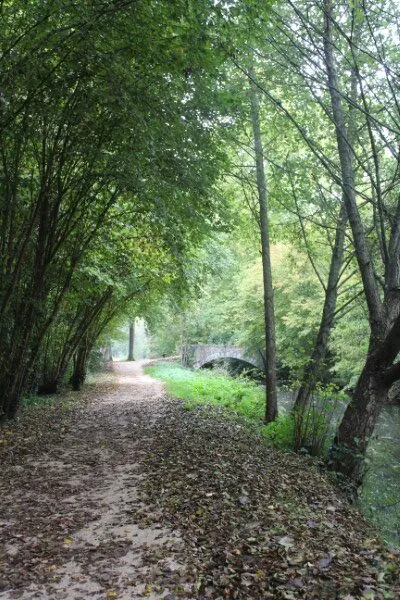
[(228, 171)]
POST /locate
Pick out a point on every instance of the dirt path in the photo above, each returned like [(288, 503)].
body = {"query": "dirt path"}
[(132, 495), (73, 523)]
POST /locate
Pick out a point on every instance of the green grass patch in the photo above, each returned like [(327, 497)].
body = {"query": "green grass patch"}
[(242, 396)]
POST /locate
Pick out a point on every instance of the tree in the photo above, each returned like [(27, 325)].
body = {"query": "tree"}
[(380, 370), (271, 407), (93, 126), (131, 340), (328, 49)]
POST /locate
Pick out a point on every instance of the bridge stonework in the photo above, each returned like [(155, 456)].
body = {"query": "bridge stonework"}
[(198, 355)]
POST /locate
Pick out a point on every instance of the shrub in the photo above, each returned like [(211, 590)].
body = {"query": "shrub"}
[(281, 432), (314, 424)]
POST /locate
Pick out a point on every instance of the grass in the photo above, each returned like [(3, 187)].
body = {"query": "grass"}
[(36, 399), (244, 397)]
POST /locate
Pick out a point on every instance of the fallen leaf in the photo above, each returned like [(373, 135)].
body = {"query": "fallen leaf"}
[(325, 562), (286, 541)]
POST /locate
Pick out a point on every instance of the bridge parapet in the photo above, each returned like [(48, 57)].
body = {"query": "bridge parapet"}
[(198, 355)]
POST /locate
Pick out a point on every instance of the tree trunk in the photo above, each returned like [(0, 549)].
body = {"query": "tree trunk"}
[(48, 387), (364, 259), (131, 340), (347, 453), (108, 353), (14, 375), (271, 408), (11, 388), (315, 366), (357, 425), (80, 366)]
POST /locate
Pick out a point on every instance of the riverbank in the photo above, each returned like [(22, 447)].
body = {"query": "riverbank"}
[(379, 496)]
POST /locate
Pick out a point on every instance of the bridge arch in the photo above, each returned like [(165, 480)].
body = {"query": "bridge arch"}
[(202, 354)]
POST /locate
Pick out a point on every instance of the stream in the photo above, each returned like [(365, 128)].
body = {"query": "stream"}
[(380, 495)]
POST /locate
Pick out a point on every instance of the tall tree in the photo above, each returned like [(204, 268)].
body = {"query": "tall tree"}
[(271, 408), (329, 47), (380, 370), (314, 369)]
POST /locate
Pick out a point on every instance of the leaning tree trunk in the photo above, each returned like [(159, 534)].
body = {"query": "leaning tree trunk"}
[(56, 360), (80, 365), (356, 427), (271, 408), (347, 453), (316, 365)]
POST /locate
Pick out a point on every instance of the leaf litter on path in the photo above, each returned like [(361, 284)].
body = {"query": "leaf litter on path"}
[(128, 495)]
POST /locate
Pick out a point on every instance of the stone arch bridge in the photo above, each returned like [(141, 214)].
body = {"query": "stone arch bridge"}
[(198, 355)]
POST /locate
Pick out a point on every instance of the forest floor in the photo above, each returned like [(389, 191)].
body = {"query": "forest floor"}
[(123, 493)]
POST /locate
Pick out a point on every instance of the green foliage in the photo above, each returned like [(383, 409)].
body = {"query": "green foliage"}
[(309, 430), (31, 400), (297, 300), (230, 307), (201, 312), (126, 143), (281, 432), (110, 119), (350, 340)]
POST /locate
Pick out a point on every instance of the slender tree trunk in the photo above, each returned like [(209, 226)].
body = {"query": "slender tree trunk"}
[(11, 388), (16, 364), (271, 408), (108, 353), (56, 358), (49, 386), (345, 152), (131, 340), (316, 364)]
